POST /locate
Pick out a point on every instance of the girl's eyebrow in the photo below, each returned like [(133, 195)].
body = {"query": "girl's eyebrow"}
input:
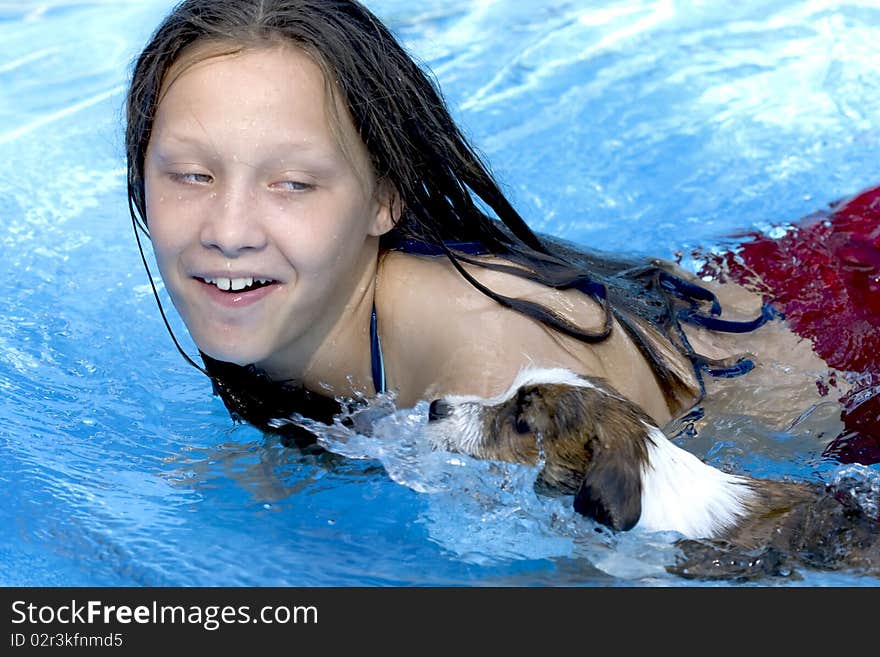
[(278, 154), (285, 146), (170, 139), (277, 149)]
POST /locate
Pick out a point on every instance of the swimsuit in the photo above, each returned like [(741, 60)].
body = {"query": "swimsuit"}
[(824, 275), (377, 363)]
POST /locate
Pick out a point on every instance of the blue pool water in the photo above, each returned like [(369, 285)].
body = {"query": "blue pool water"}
[(651, 126)]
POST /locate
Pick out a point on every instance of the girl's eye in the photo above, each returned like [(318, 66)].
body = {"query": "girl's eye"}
[(192, 178), (293, 186)]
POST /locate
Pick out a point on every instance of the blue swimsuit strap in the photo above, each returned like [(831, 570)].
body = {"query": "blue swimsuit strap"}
[(693, 294), (377, 364), (417, 247)]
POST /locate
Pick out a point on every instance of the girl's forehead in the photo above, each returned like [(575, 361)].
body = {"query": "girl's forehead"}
[(266, 92), (206, 54), (276, 68)]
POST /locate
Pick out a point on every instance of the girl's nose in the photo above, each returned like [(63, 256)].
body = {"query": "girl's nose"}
[(233, 224)]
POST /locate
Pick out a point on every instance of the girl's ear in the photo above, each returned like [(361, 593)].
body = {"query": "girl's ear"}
[(387, 209)]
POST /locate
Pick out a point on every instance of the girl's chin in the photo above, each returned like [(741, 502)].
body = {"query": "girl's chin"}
[(235, 356)]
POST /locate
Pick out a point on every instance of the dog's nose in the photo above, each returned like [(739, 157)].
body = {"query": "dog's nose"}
[(438, 410)]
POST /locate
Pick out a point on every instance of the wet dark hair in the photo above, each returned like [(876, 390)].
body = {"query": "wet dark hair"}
[(446, 193)]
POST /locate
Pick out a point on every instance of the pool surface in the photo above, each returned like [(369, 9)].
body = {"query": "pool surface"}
[(650, 126)]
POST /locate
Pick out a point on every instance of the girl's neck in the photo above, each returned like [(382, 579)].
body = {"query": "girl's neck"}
[(333, 358)]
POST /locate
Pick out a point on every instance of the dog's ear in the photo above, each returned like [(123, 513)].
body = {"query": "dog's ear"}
[(611, 493)]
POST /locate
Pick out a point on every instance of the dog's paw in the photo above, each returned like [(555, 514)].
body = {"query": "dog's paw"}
[(717, 560)]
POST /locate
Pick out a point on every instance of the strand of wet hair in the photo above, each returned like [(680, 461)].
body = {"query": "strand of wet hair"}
[(137, 228), (455, 172), (537, 311)]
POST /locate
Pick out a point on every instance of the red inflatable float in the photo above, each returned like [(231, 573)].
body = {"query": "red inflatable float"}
[(824, 275)]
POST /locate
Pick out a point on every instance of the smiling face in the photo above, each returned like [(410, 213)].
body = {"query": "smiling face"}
[(264, 219)]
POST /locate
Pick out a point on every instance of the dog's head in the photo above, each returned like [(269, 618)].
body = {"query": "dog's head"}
[(591, 442)]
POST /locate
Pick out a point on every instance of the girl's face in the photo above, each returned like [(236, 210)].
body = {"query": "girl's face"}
[(261, 225)]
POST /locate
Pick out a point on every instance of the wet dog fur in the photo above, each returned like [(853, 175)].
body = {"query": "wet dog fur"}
[(625, 473)]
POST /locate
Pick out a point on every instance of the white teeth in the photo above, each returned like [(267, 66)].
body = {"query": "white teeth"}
[(234, 284), (241, 283)]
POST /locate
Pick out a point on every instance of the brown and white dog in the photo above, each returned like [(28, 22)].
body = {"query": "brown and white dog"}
[(625, 473)]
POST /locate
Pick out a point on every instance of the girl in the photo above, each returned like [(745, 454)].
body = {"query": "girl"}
[(327, 233)]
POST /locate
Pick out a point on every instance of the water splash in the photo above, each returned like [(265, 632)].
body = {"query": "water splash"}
[(486, 512), (859, 485)]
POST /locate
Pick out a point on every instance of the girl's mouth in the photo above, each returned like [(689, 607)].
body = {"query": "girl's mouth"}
[(237, 292), (237, 285)]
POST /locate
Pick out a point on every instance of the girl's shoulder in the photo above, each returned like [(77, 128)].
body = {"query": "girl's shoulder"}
[(445, 336), (433, 284)]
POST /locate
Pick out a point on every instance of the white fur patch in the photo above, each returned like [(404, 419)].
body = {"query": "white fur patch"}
[(681, 493), (461, 431), (526, 377)]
